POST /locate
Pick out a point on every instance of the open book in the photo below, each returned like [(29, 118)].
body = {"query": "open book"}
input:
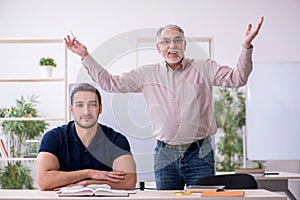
[(93, 190), (205, 188)]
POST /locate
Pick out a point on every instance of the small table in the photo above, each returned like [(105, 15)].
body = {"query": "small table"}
[(277, 183)]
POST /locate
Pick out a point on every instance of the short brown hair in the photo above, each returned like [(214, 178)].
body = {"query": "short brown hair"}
[(85, 87)]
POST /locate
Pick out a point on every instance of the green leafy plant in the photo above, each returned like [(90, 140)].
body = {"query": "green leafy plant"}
[(25, 108), (230, 113), (16, 176), (230, 117), (258, 164), (47, 62)]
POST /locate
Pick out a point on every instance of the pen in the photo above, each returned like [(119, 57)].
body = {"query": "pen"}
[(271, 173), (72, 33), (74, 39)]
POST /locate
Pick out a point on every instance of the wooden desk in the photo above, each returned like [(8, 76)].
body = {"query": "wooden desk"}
[(274, 183), (277, 183), (140, 195)]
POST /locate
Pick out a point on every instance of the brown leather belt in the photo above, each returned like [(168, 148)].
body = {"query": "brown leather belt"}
[(182, 147)]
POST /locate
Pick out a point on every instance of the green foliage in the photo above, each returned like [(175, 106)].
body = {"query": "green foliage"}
[(230, 116), (258, 164), (16, 176), (47, 62), (22, 129)]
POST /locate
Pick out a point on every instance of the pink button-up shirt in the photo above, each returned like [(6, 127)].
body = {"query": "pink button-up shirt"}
[(180, 102)]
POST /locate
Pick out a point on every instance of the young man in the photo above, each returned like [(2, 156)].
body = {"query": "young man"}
[(84, 151), (178, 92)]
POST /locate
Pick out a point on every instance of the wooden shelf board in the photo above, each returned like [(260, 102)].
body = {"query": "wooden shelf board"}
[(31, 79), (31, 119), (30, 40), (17, 159)]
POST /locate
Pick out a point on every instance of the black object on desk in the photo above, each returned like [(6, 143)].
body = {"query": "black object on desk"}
[(271, 173)]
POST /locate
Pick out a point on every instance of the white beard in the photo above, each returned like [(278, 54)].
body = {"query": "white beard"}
[(174, 60)]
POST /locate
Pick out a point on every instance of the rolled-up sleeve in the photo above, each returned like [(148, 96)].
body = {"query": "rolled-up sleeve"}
[(237, 76), (127, 82)]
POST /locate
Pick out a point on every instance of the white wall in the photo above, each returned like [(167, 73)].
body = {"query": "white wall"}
[(96, 21)]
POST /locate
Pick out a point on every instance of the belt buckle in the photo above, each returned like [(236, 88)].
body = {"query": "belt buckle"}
[(183, 147), (179, 147)]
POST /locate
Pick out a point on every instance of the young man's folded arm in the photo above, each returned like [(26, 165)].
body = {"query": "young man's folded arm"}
[(124, 163), (48, 175)]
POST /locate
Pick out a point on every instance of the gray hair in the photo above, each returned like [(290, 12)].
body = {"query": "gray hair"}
[(172, 26)]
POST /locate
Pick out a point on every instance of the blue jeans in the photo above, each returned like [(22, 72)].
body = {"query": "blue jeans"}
[(174, 169)]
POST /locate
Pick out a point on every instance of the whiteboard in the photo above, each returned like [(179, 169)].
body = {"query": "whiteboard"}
[(273, 112)]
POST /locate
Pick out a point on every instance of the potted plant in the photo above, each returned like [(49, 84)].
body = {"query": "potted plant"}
[(230, 113), (16, 176), (17, 132), (230, 117), (47, 65)]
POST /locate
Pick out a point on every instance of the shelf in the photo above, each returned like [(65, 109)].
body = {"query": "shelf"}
[(31, 79), (31, 119), (29, 40), (17, 159), (60, 81)]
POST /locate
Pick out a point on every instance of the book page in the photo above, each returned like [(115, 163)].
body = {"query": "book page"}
[(202, 188), (93, 190), (101, 191), (98, 186), (78, 190)]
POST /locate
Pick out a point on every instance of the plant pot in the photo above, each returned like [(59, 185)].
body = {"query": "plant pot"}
[(46, 71)]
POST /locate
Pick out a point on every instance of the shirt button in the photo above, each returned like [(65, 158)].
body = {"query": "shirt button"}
[(86, 151)]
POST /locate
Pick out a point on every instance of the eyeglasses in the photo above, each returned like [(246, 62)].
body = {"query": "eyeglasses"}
[(167, 42)]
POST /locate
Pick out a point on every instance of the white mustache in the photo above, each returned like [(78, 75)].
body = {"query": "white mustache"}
[(174, 51)]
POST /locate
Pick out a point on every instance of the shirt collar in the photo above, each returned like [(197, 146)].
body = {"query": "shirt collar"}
[(74, 137), (183, 64), (73, 134)]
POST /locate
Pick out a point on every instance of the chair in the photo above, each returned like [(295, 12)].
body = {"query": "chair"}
[(230, 181)]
